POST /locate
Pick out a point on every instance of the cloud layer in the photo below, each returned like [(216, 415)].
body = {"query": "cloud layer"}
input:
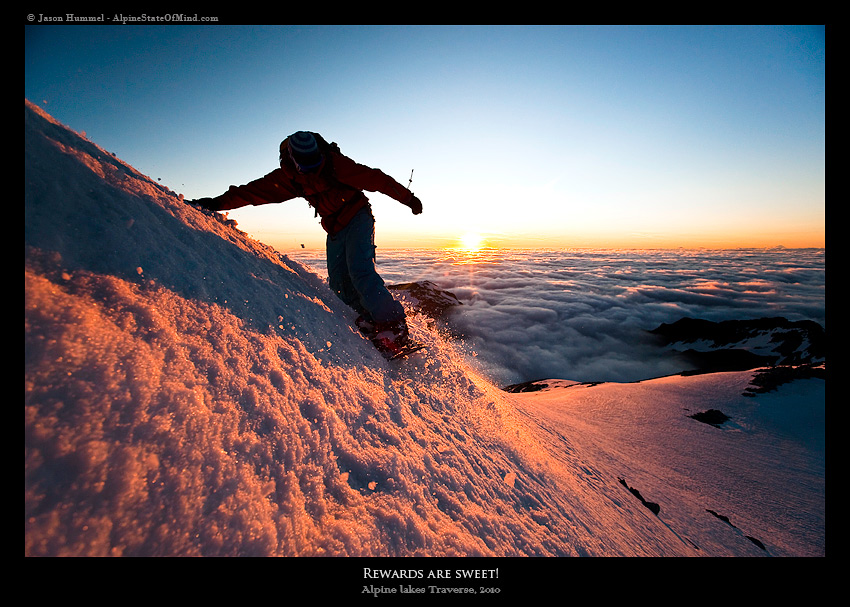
[(583, 314)]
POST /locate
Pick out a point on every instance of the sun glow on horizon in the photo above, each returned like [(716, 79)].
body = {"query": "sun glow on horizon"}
[(471, 242)]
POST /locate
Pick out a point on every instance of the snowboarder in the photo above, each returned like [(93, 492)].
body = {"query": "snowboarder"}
[(313, 169)]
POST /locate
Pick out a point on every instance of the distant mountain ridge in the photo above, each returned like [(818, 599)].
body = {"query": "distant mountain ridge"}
[(737, 345)]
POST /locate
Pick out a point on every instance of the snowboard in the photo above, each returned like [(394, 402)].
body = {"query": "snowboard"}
[(395, 354), (390, 353)]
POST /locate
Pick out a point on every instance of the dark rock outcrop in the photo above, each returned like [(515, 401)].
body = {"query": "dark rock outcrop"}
[(770, 379), (712, 417), (653, 507), (738, 345), (726, 520), (426, 298), (526, 386)]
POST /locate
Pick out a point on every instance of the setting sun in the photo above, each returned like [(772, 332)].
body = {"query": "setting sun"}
[(471, 241)]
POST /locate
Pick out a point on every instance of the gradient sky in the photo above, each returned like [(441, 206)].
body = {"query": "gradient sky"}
[(551, 136)]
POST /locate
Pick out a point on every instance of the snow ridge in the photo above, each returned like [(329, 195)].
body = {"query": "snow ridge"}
[(209, 396)]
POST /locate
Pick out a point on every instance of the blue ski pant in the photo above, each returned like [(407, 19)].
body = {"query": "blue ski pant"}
[(352, 274)]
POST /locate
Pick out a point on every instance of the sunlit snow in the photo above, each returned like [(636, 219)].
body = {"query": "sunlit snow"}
[(190, 391)]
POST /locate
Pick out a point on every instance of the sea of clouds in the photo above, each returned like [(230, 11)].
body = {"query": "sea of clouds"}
[(583, 314)]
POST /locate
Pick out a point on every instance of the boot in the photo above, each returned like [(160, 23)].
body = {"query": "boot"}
[(367, 326), (391, 337)]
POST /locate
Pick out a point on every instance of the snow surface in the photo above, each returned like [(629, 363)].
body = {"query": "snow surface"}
[(190, 391)]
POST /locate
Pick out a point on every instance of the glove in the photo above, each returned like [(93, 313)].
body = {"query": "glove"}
[(205, 203), (415, 205)]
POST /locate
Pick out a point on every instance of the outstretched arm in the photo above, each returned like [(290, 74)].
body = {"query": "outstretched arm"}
[(363, 177), (265, 190)]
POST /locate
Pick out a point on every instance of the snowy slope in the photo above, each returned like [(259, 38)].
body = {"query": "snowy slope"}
[(189, 391)]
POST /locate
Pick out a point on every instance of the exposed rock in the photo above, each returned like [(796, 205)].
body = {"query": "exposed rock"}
[(738, 345), (731, 359), (426, 298), (726, 520), (712, 417), (770, 379), (526, 386), (545, 384), (653, 507)]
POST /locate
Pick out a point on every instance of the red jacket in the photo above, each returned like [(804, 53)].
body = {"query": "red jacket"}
[(335, 190)]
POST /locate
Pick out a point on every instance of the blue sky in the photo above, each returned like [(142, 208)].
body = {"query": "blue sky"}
[(554, 136)]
